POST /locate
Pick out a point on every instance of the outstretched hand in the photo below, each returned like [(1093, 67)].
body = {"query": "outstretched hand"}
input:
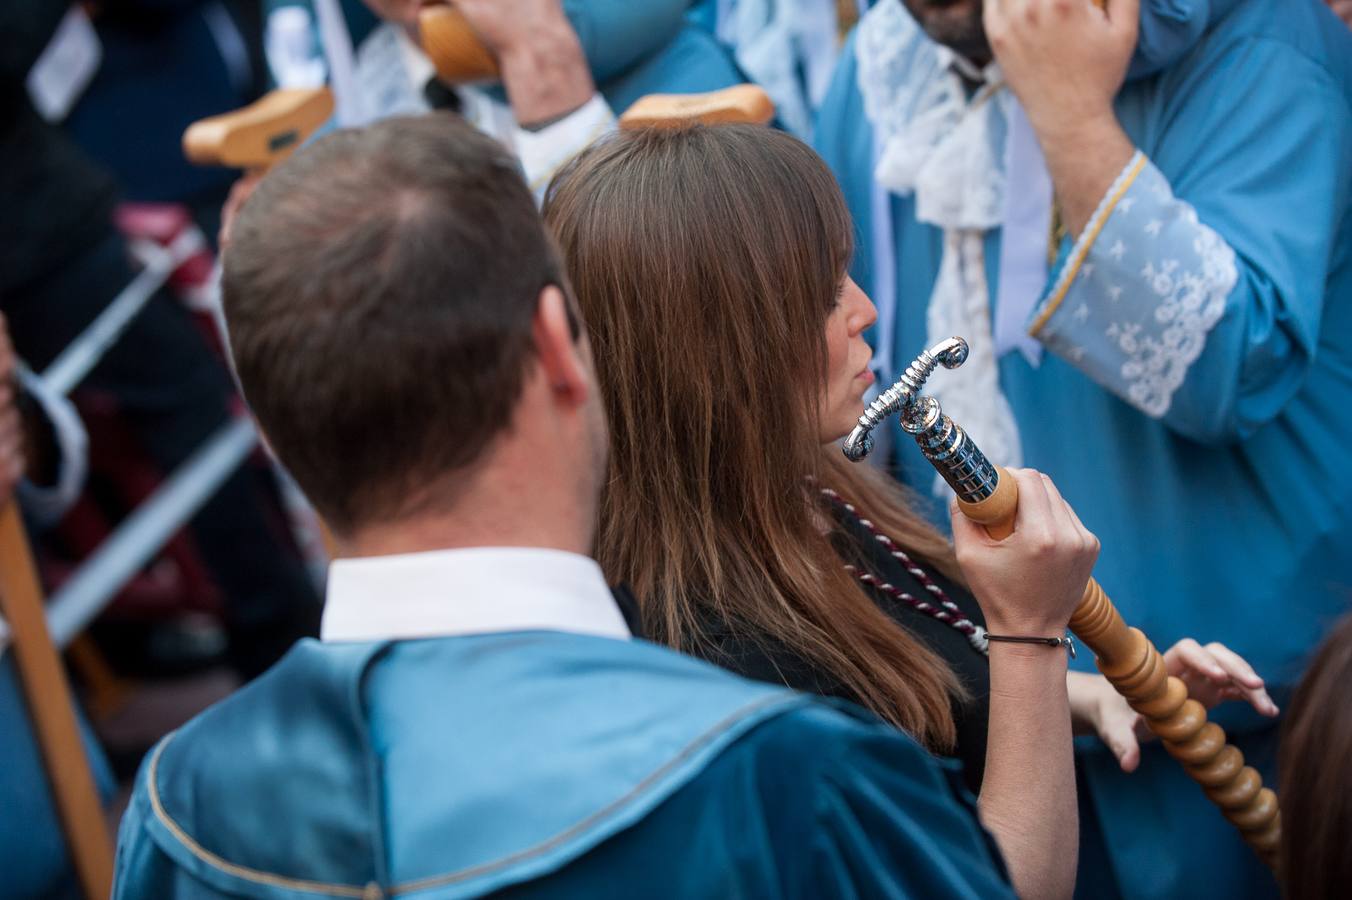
[(1213, 674)]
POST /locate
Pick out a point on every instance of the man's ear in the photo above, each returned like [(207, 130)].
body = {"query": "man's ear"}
[(562, 358)]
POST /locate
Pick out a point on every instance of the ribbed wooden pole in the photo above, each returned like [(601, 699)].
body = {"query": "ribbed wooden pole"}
[(1133, 665)]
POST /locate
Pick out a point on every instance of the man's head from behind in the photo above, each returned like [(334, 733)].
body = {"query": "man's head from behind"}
[(954, 23), (398, 319)]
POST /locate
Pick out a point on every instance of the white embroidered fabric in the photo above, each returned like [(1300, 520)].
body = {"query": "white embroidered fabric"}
[(1152, 286), (788, 47), (971, 394), (935, 143), (949, 152)]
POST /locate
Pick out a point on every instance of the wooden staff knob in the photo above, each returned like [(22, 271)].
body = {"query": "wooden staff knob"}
[(261, 134), (743, 103), (454, 49)]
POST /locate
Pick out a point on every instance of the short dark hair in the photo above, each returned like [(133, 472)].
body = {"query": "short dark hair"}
[(379, 291)]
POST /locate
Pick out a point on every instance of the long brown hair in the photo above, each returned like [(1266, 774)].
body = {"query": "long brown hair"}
[(706, 261), (1316, 782)]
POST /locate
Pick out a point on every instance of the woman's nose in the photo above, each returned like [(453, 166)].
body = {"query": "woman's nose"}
[(862, 311)]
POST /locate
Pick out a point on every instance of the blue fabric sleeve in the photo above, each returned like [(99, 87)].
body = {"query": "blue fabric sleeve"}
[(1196, 292)]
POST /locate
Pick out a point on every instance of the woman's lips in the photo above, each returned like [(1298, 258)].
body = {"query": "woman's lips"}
[(866, 376)]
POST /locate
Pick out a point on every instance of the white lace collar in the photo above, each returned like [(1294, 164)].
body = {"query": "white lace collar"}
[(933, 140)]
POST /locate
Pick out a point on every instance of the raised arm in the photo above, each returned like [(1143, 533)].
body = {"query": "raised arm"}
[(1028, 585), (1195, 288)]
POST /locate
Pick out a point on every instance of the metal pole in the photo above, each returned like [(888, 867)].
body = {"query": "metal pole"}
[(145, 531)]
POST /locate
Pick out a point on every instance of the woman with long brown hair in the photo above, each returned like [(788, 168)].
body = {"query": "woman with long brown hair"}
[(710, 266)]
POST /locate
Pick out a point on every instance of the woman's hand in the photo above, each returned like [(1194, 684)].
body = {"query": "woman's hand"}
[(1213, 674), (1029, 583)]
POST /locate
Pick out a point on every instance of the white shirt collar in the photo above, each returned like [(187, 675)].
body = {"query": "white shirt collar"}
[(478, 590)]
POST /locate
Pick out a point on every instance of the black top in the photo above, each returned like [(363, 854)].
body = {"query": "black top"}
[(763, 659), (57, 203)]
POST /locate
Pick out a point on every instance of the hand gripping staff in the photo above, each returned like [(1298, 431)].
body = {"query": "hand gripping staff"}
[(988, 495)]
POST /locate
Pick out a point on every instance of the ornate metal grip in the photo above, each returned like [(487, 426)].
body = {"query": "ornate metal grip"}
[(944, 443)]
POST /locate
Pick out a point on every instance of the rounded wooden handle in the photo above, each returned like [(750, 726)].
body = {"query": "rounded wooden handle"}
[(261, 134), (454, 49), (742, 103), (1135, 667)]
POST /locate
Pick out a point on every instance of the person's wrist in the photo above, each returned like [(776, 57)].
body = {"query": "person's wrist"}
[(1042, 658), (1027, 624), (551, 36), (546, 74), (1082, 122)]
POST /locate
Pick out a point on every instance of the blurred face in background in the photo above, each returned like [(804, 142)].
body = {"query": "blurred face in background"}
[(954, 23)]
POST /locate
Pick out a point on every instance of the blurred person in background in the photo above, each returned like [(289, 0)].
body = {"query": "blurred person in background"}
[(1141, 219), (163, 65), (788, 47), (42, 466), (567, 67), (61, 262)]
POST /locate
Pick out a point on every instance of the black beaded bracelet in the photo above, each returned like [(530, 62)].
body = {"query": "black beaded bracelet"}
[(1068, 642)]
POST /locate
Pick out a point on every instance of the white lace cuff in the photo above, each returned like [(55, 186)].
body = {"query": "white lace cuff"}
[(1134, 301), (544, 152)]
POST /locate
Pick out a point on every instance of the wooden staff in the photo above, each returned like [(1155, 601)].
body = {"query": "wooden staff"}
[(51, 709), (1135, 667), (454, 49), (261, 134), (988, 495)]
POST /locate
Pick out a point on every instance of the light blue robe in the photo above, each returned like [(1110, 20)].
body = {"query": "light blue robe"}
[(633, 49), (33, 853), (541, 764), (1196, 403)]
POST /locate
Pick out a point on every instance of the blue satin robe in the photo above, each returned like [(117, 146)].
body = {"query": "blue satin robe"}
[(541, 764), (1223, 507)]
